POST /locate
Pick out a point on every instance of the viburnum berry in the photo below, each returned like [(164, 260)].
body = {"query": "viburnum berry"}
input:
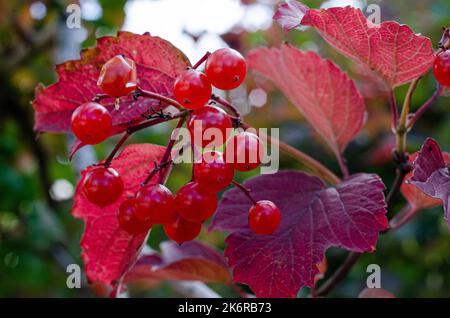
[(118, 76), (194, 203), (154, 204), (192, 89), (128, 220), (226, 68), (102, 186), (441, 68), (264, 217), (91, 123), (182, 230), (212, 172), (245, 150), (208, 126)]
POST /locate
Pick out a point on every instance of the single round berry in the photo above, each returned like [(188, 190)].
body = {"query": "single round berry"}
[(441, 68), (118, 76), (194, 203), (154, 204), (182, 230), (212, 172), (102, 186), (192, 89), (264, 217), (91, 123), (245, 150), (226, 68), (128, 220), (209, 126)]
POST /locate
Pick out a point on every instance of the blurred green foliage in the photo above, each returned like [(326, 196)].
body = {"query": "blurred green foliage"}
[(38, 236)]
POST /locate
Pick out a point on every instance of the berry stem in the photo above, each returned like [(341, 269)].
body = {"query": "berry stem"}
[(116, 148), (142, 92), (203, 59), (227, 105), (99, 97), (422, 109), (300, 156), (244, 190)]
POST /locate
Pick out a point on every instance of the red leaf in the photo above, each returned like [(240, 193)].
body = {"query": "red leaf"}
[(107, 250), (390, 49), (290, 14), (431, 174), (158, 63), (321, 91), (314, 218), (190, 261), (375, 293)]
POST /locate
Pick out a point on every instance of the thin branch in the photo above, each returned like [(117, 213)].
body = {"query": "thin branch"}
[(162, 98), (116, 148), (244, 190), (394, 109), (203, 59), (401, 129), (422, 109), (338, 275), (343, 165), (404, 216), (227, 105)]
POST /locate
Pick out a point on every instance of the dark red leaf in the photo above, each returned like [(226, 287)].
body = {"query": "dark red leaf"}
[(314, 218), (431, 174), (107, 250), (390, 49), (375, 293), (323, 93), (158, 63), (191, 261)]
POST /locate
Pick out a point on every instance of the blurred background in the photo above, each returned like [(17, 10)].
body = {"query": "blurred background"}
[(39, 237)]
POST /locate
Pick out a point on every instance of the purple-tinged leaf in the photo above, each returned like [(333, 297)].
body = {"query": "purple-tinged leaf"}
[(431, 174), (314, 218), (290, 14)]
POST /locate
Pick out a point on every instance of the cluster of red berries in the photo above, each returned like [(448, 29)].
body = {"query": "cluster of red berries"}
[(181, 215), (441, 68)]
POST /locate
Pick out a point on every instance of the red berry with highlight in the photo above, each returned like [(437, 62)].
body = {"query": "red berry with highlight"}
[(128, 220), (441, 68), (245, 150), (118, 76), (194, 203), (91, 123), (264, 217), (209, 126), (226, 68), (102, 186), (154, 204), (182, 230), (212, 172), (192, 89)]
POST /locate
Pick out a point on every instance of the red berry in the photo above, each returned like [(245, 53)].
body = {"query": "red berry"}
[(264, 217), (118, 76), (208, 126), (128, 220), (226, 68), (182, 230), (192, 89), (441, 68), (102, 186), (154, 204), (245, 150), (194, 203), (212, 172), (91, 123)]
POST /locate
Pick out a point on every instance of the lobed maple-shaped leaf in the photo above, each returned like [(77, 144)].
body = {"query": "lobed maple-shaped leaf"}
[(324, 94), (107, 250), (391, 50), (431, 174), (314, 218), (190, 261), (157, 61)]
